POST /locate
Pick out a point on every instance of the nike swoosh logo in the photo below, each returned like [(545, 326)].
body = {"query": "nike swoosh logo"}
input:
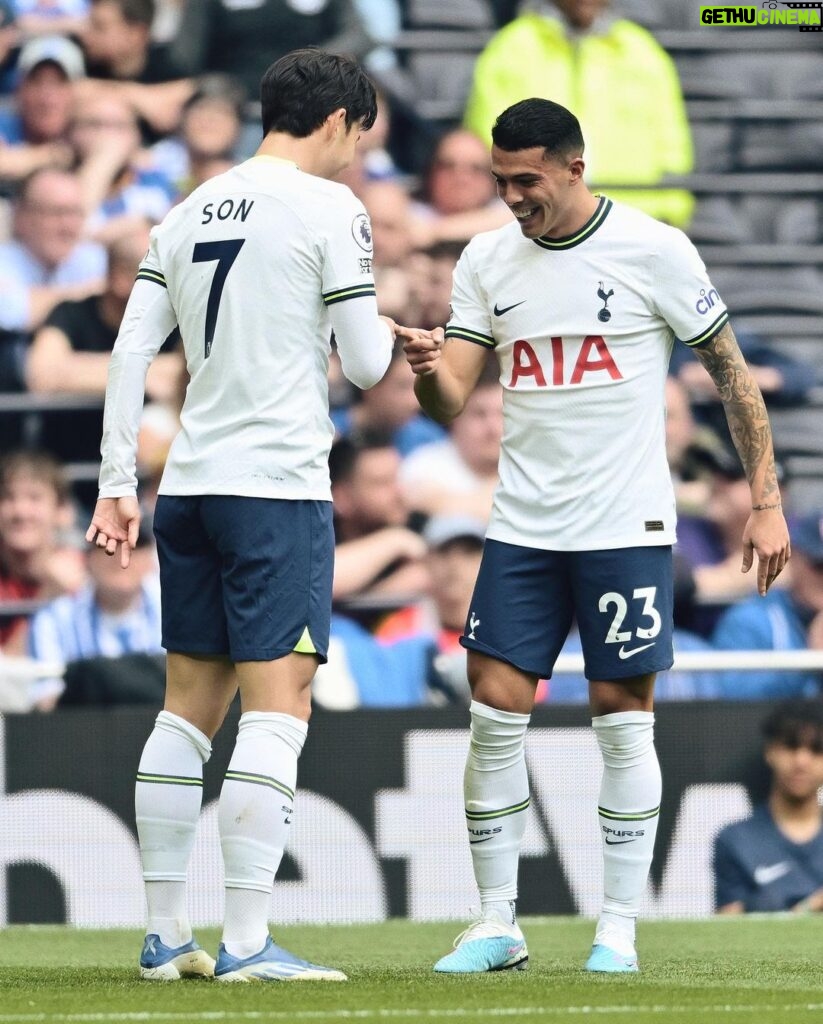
[(505, 309), (771, 872), (617, 842), (623, 653), (474, 842)]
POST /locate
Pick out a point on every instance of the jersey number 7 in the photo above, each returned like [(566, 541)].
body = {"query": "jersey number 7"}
[(225, 253)]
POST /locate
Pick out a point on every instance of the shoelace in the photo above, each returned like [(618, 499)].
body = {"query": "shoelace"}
[(483, 928)]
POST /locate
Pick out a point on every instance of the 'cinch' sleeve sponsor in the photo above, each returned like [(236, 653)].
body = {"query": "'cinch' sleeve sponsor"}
[(684, 295)]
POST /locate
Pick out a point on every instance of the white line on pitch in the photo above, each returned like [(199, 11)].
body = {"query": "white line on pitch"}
[(401, 1014)]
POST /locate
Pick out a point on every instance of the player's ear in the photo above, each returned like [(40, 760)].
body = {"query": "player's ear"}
[(576, 168), (336, 121)]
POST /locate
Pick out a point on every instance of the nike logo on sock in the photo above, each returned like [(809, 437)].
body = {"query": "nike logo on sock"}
[(473, 842)]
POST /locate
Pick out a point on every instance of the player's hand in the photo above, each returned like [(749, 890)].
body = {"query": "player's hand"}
[(766, 533), (115, 521), (422, 348)]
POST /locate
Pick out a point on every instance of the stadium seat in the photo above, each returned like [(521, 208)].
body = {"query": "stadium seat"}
[(717, 219)]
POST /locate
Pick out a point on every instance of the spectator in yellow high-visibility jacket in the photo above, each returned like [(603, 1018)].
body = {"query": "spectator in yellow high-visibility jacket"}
[(614, 76)]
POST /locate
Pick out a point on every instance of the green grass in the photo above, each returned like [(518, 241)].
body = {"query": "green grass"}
[(758, 970)]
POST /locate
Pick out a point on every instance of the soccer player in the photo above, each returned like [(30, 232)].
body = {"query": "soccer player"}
[(256, 267), (580, 299)]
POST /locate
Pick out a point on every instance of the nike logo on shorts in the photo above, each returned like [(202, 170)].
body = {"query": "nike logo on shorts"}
[(623, 653), (505, 309)]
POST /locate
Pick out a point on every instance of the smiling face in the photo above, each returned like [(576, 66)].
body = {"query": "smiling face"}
[(545, 193)]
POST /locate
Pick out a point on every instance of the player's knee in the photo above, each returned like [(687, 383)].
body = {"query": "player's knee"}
[(612, 697)]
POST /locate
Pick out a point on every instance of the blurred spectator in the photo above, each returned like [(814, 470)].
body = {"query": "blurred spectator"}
[(390, 406), (773, 860), (45, 263), (459, 198), (123, 61), (34, 133), (783, 380), (117, 192), (34, 563), (242, 39), (683, 439), (70, 353), (614, 77), (783, 620), (116, 613), (9, 41), (209, 132), (430, 272), (415, 659), (389, 209), (376, 552), (711, 543), (459, 475), (426, 635), (372, 160), (44, 17)]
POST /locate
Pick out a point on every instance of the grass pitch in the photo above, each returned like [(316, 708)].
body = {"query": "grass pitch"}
[(757, 970)]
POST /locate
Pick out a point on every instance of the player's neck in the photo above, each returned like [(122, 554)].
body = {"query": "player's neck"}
[(800, 820), (576, 217), (306, 153)]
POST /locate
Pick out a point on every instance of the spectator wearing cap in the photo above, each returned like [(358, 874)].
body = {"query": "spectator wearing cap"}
[(415, 658), (34, 133), (784, 620), (116, 614)]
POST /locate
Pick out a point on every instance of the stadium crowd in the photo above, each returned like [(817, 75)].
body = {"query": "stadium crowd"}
[(112, 111)]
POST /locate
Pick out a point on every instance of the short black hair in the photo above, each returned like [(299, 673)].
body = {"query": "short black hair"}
[(795, 724), (346, 451), (133, 12), (301, 89), (538, 122)]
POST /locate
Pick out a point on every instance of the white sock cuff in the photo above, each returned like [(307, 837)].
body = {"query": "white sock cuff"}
[(511, 718), (290, 730), (624, 718), (175, 724)]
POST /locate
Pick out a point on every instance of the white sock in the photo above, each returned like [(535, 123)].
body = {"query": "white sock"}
[(496, 793), (628, 813), (254, 814), (167, 799)]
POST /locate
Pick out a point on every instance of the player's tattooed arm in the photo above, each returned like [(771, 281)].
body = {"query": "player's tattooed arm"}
[(745, 412)]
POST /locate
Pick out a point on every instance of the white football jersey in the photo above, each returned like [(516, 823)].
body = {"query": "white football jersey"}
[(583, 329), (255, 267)]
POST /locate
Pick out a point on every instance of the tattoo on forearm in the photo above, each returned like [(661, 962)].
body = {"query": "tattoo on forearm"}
[(744, 407)]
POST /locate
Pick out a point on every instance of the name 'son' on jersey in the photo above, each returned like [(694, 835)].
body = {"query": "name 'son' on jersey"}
[(555, 368), (227, 209)]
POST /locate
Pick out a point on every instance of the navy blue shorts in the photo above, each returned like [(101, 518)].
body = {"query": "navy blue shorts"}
[(249, 578), (525, 600)]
